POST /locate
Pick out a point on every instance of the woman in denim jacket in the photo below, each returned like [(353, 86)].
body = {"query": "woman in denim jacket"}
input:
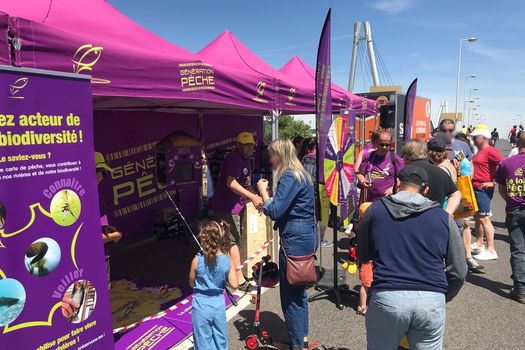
[(292, 209)]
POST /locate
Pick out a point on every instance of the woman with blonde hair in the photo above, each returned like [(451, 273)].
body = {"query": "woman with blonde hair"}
[(292, 209)]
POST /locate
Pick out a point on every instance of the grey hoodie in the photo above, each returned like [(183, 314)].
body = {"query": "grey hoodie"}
[(401, 206)]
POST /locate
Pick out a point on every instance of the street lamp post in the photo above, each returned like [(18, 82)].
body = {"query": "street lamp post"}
[(470, 40), (471, 76)]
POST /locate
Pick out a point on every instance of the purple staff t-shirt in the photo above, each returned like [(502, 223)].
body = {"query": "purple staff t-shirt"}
[(511, 174), (380, 172), (233, 165)]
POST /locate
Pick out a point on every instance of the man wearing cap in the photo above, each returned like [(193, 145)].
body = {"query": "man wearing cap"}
[(232, 190), (485, 164), (410, 240), (441, 187)]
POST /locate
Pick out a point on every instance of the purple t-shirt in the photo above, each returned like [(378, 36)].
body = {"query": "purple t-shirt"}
[(380, 172), (511, 174), (233, 165)]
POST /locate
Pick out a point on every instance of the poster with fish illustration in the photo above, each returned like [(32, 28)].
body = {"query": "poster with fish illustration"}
[(53, 287)]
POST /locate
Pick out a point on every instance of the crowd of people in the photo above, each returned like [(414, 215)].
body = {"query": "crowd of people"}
[(412, 235)]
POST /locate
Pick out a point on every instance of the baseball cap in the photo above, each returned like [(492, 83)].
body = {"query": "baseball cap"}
[(245, 138), (414, 175), (100, 162), (481, 130), (437, 144)]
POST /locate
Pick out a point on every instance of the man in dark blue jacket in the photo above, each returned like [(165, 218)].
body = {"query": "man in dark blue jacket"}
[(419, 264)]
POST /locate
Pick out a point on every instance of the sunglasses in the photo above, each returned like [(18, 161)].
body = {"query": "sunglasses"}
[(384, 145), (447, 130)]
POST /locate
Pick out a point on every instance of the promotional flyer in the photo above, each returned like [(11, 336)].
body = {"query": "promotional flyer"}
[(53, 286)]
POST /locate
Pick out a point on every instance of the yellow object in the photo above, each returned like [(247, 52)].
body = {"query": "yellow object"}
[(404, 343), (245, 138), (100, 162), (345, 265), (468, 205), (363, 207), (352, 268)]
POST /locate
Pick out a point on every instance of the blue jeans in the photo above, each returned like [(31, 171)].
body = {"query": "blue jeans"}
[(483, 197), (418, 314), (294, 304), (515, 223)]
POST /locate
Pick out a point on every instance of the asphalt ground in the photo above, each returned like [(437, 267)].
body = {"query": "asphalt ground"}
[(480, 317)]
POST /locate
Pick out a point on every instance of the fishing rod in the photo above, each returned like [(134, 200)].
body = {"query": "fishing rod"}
[(228, 292)]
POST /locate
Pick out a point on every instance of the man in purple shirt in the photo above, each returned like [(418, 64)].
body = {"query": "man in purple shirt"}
[(232, 190), (510, 177), (377, 171)]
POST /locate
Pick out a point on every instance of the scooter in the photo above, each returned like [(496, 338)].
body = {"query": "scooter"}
[(259, 339)]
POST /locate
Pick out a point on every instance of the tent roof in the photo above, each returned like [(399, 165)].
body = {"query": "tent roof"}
[(301, 71), (125, 60), (229, 50)]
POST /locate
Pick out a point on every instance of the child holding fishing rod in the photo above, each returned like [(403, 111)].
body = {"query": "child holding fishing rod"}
[(209, 271)]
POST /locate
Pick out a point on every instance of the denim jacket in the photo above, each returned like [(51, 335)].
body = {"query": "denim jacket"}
[(292, 209)]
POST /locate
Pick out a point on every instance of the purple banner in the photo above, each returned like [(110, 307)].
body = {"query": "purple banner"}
[(323, 95), (53, 286), (165, 332), (409, 110)]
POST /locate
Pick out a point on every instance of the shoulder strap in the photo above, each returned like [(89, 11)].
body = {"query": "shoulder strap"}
[(394, 165), (446, 169)]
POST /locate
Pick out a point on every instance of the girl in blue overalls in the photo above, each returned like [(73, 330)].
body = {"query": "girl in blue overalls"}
[(208, 274)]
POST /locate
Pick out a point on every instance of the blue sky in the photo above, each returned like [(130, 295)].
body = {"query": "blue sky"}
[(416, 38)]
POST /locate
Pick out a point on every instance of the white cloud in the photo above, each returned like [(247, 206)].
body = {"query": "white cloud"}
[(393, 7), (499, 54)]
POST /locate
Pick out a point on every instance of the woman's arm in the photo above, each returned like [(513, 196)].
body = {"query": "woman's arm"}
[(287, 190), (232, 275), (193, 273)]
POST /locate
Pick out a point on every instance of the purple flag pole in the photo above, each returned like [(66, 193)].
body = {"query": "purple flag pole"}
[(409, 110), (323, 95)]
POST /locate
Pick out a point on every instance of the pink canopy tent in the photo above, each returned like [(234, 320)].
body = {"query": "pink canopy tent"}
[(294, 96), (4, 47), (301, 71), (131, 67)]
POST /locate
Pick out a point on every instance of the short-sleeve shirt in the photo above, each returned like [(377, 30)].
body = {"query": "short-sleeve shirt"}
[(461, 146), (511, 174), (485, 164), (379, 170), (236, 166), (440, 184)]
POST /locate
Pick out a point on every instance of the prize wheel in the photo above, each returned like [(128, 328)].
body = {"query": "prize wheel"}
[(339, 161)]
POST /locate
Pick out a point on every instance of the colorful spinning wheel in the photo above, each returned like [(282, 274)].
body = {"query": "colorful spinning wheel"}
[(339, 161)]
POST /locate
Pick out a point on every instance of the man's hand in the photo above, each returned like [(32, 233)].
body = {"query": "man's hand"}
[(487, 185), (389, 191), (68, 307), (363, 181), (258, 202)]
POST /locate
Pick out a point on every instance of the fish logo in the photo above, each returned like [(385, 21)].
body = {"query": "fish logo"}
[(85, 58), (18, 86), (291, 95), (260, 92)]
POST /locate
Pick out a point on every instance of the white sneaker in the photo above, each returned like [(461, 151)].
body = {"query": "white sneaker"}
[(476, 249), (487, 255)]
